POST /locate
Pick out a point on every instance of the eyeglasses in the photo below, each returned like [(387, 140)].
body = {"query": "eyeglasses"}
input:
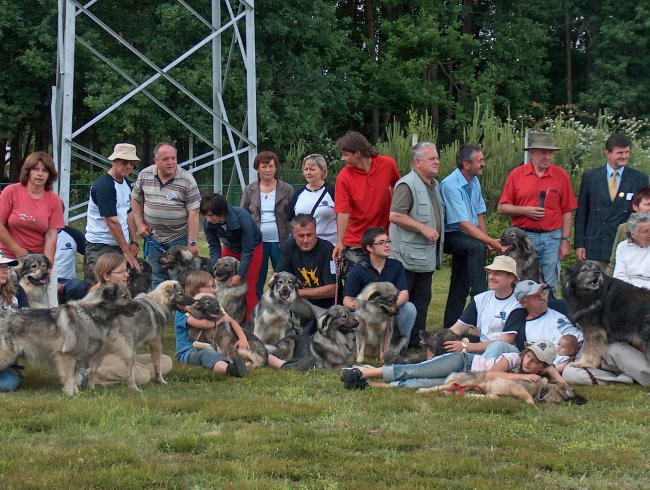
[(122, 271), (381, 243)]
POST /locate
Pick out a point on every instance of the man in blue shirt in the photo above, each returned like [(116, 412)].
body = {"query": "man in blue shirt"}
[(378, 267), (466, 237)]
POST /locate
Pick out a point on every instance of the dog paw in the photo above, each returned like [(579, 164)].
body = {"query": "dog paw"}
[(583, 363)]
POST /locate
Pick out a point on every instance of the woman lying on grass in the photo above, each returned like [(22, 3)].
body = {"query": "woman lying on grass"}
[(203, 282), (530, 364)]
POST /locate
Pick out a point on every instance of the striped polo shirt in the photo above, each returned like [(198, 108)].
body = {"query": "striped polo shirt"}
[(166, 207)]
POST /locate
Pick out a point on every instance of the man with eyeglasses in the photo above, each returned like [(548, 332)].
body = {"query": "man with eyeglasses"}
[(110, 226), (379, 267)]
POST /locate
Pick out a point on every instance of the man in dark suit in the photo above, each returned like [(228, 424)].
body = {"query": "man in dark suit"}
[(605, 201)]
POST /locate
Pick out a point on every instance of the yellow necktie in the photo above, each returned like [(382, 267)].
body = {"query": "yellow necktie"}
[(613, 188)]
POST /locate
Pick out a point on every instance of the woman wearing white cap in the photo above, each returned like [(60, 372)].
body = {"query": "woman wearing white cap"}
[(534, 361), (11, 296)]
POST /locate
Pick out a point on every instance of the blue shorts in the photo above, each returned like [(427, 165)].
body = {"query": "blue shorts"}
[(206, 358)]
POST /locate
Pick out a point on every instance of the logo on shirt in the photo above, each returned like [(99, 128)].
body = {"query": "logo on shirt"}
[(67, 246), (27, 217), (172, 195), (309, 278)]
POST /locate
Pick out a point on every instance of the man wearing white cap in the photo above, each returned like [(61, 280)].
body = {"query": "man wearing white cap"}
[(489, 310), (539, 198), (110, 226)]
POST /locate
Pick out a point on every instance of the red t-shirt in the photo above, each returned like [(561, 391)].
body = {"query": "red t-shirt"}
[(523, 188), (365, 196), (27, 219)]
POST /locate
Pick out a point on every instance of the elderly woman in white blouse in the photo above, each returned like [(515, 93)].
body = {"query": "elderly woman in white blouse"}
[(633, 254)]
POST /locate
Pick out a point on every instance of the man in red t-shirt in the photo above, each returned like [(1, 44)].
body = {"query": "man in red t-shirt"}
[(539, 198), (363, 191)]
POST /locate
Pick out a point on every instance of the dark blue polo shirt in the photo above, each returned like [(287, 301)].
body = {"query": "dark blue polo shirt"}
[(363, 274)]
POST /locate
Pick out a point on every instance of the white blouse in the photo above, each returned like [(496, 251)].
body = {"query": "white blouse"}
[(633, 264)]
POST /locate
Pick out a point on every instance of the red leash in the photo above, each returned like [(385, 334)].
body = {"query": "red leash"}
[(461, 389), (384, 348)]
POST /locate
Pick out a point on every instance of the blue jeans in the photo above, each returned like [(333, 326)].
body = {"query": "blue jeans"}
[(406, 319), (154, 252), (73, 289), (428, 373), (9, 380), (495, 349), (206, 358), (547, 246), (271, 251)]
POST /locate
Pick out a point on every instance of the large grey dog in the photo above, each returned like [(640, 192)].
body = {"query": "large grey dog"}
[(68, 336), (33, 275), (333, 344), (231, 298), (270, 318), (222, 337), (153, 311), (376, 312), (521, 249)]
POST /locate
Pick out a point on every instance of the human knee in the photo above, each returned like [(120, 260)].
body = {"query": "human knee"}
[(499, 347), (9, 380)]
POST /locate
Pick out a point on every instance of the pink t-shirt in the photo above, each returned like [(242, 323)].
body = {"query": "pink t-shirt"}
[(27, 219)]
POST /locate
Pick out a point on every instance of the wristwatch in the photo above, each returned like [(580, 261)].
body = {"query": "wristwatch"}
[(192, 243), (464, 342)]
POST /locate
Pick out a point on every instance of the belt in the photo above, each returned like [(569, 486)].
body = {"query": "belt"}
[(535, 231)]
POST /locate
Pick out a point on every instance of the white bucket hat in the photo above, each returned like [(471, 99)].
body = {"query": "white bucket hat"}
[(124, 151), (7, 261)]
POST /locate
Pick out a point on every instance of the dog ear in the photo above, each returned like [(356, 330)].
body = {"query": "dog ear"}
[(527, 244), (273, 280), (579, 399)]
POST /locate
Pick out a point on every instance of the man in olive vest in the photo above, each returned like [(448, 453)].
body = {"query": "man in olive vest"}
[(417, 220)]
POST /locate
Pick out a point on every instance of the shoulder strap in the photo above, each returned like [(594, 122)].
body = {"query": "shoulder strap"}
[(322, 195)]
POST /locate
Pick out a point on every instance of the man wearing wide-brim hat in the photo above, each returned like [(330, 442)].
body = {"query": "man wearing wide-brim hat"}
[(539, 198), (110, 226)]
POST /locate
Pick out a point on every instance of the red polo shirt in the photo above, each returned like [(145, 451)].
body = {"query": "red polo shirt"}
[(523, 188), (365, 196)]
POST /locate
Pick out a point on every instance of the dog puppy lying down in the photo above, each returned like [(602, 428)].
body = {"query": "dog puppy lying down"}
[(475, 384)]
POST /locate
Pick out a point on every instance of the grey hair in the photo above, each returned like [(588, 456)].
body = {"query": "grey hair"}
[(319, 160), (156, 149), (633, 222), (417, 151)]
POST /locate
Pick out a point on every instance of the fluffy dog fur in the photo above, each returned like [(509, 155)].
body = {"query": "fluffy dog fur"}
[(33, 274), (270, 318), (140, 281), (376, 308), (222, 337), (605, 308), (67, 336), (333, 344), (521, 249), (143, 328), (231, 298), (527, 391), (178, 261)]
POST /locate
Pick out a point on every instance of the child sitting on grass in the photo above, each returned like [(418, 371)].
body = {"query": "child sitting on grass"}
[(203, 282)]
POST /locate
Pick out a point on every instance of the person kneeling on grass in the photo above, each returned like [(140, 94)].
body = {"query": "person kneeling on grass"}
[(534, 361), (203, 282)]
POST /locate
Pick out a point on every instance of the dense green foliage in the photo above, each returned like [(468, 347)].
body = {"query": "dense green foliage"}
[(324, 67)]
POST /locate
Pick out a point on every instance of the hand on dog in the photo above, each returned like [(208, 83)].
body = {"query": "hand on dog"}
[(242, 344), (131, 260), (530, 377), (453, 346), (234, 280), (193, 249)]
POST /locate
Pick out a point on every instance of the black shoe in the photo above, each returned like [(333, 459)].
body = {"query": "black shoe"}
[(302, 364), (353, 379), (237, 368)]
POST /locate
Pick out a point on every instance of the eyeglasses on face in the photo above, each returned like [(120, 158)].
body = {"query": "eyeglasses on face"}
[(381, 243), (121, 271)]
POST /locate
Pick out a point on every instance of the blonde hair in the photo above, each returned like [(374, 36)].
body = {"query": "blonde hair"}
[(319, 160), (195, 280), (106, 263)]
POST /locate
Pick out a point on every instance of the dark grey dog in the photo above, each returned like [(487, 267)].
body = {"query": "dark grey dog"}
[(178, 261), (231, 298)]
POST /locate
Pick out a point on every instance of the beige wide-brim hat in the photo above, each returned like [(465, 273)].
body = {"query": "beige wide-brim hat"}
[(124, 151), (503, 263), (541, 141)]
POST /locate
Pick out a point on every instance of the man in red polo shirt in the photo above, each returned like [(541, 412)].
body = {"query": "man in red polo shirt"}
[(363, 190), (539, 198)]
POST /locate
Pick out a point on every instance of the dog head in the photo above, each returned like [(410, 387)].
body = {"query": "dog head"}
[(173, 293), (205, 307), (560, 393), (284, 286), (225, 268), (176, 256), (383, 295), (582, 278), (434, 340), (516, 240), (351, 257), (337, 318), (34, 268), (111, 300), (139, 281)]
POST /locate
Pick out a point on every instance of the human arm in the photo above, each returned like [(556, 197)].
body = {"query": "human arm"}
[(581, 219), (565, 245), (532, 212), (476, 347), (621, 232), (501, 368), (193, 230), (49, 245), (214, 244), (321, 292), (10, 243), (402, 297), (248, 235), (405, 221), (476, 232), (342, 222), (552, 373), (350, 302), (137, 209), (115, 227), (242, 341)]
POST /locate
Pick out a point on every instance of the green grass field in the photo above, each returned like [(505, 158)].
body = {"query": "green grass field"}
[(280, 429)]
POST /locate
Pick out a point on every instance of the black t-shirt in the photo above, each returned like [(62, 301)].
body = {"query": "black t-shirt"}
[(313, 269)]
